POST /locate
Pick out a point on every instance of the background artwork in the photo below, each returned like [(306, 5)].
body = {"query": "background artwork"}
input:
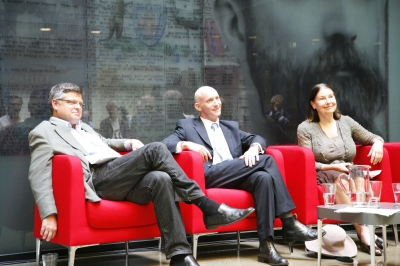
[(140, 62)]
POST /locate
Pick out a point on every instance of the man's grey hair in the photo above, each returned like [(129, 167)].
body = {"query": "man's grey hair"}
[(58, 91)]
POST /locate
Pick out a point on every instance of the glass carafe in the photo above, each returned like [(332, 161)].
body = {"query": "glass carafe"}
[(359, 185)]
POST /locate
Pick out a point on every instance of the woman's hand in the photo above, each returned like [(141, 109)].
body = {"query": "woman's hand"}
[(341, 167), (376, 152)]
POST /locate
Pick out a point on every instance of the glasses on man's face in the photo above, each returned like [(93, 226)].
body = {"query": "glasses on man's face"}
[(73, 103)]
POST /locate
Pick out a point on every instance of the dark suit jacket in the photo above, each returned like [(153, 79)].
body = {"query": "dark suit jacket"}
[(193, 129)]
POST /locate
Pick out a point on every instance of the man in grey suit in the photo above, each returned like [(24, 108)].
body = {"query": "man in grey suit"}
[(221, 144), (148, 173)]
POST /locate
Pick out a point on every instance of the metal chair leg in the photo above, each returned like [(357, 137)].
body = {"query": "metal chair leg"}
[(238, 242), (396, 236), (38, 245), (71, 255), (195, 240), (127, 253)]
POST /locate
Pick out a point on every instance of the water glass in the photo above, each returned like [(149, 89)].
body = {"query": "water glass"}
[(396, 193), (50, 259), (329, 191), (375, 193)]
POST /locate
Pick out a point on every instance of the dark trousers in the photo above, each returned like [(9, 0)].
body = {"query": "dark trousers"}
[(263, 181), (151, 174)]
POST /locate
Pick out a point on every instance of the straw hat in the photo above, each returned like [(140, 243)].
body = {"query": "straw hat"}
[(335, 243)]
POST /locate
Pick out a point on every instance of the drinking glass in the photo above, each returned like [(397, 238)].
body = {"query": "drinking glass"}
[(375, 193), (396, 193), (50, 259), (329, 190)]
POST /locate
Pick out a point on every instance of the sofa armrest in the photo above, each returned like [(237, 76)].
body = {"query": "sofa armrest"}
[(301, 180), (385, 176), (192, 164)]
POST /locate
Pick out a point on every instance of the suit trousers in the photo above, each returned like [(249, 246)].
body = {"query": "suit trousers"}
[(151, 174), (263, 180)]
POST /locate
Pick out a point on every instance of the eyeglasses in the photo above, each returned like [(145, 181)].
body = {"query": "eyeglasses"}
[(73, 103)]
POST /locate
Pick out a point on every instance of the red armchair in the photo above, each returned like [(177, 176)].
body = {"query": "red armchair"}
[(192, 164), (83, 223), (302, 184)]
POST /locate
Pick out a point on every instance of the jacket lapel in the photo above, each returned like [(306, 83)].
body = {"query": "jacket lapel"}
[(228, 137), (201, 130), (61, 129)]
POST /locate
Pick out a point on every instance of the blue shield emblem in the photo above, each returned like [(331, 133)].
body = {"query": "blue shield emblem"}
[(149, 21)]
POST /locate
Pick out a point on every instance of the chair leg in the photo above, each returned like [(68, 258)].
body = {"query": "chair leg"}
[(127, 253), (195, 240), (38, 245), (71, 255), (396, 236), (238, 242)]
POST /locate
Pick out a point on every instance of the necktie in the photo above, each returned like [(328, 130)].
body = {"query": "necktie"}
[(220, 145)]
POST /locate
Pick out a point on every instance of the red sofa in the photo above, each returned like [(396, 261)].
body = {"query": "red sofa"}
[(302, 184), (83, 223), (191, 162)]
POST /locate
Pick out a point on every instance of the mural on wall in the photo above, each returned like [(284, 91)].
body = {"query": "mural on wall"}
[(140, 62), (286, 47)]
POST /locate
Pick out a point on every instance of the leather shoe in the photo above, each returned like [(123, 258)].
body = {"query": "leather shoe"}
[(293, 231), (189, 260), (226, 215), (269, 254)]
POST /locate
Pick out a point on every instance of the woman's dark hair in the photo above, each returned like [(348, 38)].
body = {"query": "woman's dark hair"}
[(312, 114)]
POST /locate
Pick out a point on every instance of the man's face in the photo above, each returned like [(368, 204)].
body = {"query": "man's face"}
[(209, 104), (69, 108), (112, 110), (14, 107), (302, 43)]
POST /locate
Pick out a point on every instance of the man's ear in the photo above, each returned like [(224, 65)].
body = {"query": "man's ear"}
[(229, 17), (197, 106), (54, 103)]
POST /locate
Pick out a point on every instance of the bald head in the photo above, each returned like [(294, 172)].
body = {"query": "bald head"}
[(202, 93), (208, 103)]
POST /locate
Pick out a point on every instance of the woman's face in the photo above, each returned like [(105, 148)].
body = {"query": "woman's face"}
[(324, 102)]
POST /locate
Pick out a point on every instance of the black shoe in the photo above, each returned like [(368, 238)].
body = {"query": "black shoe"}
[(269, 254), (366, 249), (189, 260), (226, 215), (379, 243), (293, 231)]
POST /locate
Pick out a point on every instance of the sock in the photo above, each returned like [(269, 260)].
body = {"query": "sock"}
[(285, 215), (179, 257), (206, 205)]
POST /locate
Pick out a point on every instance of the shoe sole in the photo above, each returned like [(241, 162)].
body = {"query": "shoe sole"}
[(262, 259), (210, 227)]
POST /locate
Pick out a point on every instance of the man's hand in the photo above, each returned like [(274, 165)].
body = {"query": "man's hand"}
[(251, 156), (49, 227), (376, 152), (136, 144), (191, 146)]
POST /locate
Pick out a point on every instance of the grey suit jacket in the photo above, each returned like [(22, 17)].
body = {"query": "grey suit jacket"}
[(193, 129), (50, 138)]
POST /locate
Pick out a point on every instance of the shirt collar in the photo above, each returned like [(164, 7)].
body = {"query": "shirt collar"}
[(207, 123), (78, 126)]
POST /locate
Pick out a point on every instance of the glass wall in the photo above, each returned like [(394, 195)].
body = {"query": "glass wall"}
[(141, 61)]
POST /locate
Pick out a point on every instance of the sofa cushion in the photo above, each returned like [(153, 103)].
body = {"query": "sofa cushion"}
[(108, 214)]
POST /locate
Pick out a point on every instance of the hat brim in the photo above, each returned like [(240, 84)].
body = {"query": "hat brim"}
[(349, 249)]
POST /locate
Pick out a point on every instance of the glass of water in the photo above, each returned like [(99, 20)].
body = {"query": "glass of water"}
[(396, 193), (329, 191)]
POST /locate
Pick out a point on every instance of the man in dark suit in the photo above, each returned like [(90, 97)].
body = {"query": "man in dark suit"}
[(220, 143), (147, 173)]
